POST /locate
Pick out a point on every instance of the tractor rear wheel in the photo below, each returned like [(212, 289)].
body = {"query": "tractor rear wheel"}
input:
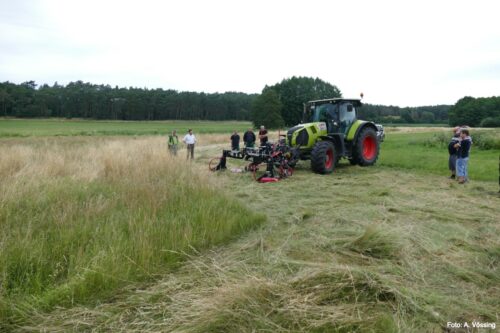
[(323, 157), (367, 148)]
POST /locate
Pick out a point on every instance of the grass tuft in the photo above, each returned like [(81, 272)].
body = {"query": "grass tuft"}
[(378, 242)]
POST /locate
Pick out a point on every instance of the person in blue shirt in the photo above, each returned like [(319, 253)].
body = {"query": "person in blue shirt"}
[(463, 147)]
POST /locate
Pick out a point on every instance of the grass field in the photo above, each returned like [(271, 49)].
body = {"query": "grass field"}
[(81, 218), (97, 235), (61, 127)]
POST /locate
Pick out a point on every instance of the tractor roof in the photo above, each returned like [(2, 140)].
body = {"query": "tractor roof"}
[(355, 101)]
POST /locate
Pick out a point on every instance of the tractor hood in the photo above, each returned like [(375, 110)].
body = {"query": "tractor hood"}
[(304, 135)]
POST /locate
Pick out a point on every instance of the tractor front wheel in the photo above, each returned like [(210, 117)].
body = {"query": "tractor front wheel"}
[(367, 147), (323, 157)]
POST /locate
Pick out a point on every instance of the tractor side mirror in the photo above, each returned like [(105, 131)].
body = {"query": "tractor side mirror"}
[(349, 108)]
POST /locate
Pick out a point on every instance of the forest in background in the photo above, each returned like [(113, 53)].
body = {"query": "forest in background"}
[(483, 112), (278, 105), (92, 101)]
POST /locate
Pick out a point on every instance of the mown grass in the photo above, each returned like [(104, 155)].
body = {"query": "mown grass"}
[(412, 151), (63, 127), (363, 250), (78, 222)]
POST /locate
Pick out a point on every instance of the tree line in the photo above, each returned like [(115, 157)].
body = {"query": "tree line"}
[(405, 115), (483, 112), (278, 105), (86, 100)]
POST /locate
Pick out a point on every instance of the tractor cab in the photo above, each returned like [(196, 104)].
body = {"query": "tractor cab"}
[(337, 113)]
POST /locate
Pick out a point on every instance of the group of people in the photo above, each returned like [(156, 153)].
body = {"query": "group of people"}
[(189, 139), (249, 138), (459, 149)]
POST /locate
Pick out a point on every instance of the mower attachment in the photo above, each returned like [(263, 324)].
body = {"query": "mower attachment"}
[(277, 157)]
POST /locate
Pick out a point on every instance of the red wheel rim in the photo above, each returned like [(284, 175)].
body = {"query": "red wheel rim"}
[(329, 159), (369, 148)]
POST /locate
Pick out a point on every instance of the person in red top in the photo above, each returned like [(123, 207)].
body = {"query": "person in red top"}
[(263, 136)]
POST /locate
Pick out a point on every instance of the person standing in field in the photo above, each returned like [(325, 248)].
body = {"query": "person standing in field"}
[(173, 143), (463, 147), (452, 160), (263, 135), (249, 138), (235, 141), (190, 140)]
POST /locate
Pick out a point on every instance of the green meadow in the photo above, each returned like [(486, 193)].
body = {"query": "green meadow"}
[(63, 127)]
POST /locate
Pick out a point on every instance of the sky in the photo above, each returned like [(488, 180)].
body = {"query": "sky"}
[(404, 53)]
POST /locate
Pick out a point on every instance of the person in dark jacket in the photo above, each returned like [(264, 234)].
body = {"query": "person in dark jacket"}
[(463, 147), (235, 141), (452, 160), (263, 136), (249, 138)]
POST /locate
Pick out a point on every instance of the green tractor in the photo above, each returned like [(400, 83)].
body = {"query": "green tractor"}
[(330, 131)]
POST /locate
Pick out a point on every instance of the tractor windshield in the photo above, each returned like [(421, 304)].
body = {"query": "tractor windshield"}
[(323, 113)]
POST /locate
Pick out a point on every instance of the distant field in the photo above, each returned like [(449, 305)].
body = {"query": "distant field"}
[(62, 127), (76, 127), (404, 146)]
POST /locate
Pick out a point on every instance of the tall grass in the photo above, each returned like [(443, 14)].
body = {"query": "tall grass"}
[(79, 220)]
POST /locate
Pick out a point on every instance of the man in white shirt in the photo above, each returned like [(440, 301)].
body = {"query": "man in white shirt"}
[(190, 140)]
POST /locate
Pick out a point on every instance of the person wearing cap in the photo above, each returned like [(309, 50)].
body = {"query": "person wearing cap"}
[(452, 151), (190, 140), (173, 143), (263, 135)]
